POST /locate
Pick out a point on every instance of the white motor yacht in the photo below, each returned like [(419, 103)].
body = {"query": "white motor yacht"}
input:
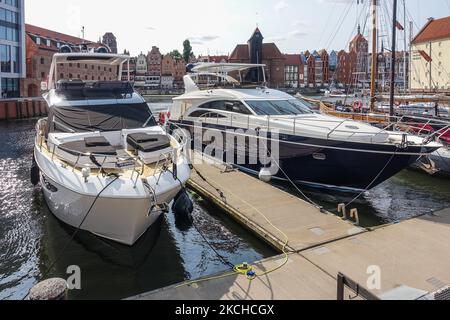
[(104, 163), (314, 149)]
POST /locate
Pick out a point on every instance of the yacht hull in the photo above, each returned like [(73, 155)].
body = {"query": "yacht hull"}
[(121, 213), (343, 165), (117, 219)]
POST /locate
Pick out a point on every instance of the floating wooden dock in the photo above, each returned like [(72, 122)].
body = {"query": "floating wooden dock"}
[(412, 257)]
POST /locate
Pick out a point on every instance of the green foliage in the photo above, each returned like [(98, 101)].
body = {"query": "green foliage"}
[(187, 51)]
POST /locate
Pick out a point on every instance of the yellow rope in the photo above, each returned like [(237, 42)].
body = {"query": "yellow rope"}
[(244, 269)]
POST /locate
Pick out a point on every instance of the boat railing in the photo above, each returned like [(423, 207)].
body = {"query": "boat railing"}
[(137, 164), (269, 123)]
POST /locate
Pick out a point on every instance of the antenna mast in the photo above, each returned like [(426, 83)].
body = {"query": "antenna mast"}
[(373, 84)]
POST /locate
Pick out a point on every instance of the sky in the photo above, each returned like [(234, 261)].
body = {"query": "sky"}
[(216, 26)]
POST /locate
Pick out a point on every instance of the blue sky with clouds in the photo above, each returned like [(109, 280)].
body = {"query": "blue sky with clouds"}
[(216, 26)]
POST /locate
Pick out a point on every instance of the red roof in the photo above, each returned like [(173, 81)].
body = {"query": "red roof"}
[(240, 52), (434, 30), (358, 38), (293, 59), (270, 51), (56, 36)]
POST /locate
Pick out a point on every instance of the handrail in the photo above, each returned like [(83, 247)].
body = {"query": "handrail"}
[(299, 121), (136, 160)]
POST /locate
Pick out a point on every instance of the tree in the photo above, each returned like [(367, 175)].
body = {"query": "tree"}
[(176, 54), (187, 50)]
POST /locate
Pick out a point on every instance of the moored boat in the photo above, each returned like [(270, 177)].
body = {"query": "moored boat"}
[(104, 163)]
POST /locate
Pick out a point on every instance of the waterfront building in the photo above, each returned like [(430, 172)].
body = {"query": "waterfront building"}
[(292, 70), (256, 51), (359, 58), (41, 45), (325, 59), (110, 41), (213, 59), (132, 68), (167, 82), (430, 62), (12, 48), (154, 61)]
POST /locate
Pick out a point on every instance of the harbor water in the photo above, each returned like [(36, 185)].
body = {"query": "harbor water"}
[(32, 239)]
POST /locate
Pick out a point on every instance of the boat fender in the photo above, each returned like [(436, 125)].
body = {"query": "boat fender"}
[(265, 175), (183, 205), (34, 175)]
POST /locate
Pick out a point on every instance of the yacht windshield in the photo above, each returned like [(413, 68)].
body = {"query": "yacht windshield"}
[(279, 107), (101, 118)]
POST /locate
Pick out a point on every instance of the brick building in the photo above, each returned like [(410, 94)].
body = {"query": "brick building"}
[(430, 61), (41, 45), (213, 59), (154, 61), (294, 70), (257, 52), (359, 49), (109, 40)]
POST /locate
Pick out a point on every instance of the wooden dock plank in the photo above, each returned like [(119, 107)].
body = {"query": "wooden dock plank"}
[(298, 280), (303, 223), (414, 253)]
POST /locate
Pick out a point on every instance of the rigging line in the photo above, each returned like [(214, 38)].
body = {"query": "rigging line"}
[(224, 261), (375, 179), (349, 40), (327, 22), (221, 258), (339, 25), (80, 226)]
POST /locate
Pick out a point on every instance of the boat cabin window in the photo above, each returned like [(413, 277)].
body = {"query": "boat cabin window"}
[(205, 114), (279, 107), (103, 118), (229, 106)]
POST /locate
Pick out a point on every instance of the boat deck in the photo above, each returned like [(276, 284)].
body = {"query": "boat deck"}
[(411, 254)]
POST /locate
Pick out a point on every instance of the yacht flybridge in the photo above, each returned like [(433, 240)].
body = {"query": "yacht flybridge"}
[(104, 164), (313, 149)]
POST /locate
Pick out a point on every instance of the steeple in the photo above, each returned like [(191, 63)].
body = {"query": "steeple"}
[(359, 28)]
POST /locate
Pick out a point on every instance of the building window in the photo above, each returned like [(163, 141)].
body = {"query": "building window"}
[(42, 75), (10, 88), (49, 43), (61, 76), (78, 65), (42, 61), (70, 76), (38, 41), (5, 58)]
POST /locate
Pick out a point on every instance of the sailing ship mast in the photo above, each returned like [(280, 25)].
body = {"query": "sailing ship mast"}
[(373, 84), (393, 56)]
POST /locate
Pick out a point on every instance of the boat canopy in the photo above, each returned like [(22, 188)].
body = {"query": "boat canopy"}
[(105, 59), (224, 67), (103, 118)]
